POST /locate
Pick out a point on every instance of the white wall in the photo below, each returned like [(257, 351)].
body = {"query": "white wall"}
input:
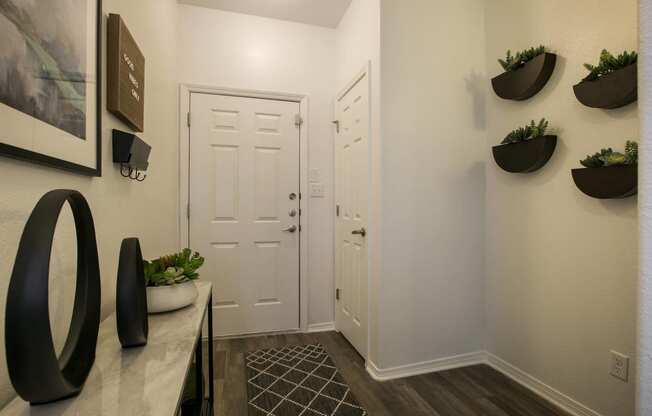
[(358, 41), (358, 45), (644, 375), (224, 49), (431, 290), (121, 208), (562, 266)]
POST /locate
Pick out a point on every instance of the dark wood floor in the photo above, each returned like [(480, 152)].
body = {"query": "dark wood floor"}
[(471, 391)]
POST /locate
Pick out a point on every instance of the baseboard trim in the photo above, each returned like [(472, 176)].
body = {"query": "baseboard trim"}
[(540, 388), (321, 327), (441, 364), (528, 381)]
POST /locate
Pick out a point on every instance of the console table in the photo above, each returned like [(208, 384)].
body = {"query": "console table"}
[(141, 381)]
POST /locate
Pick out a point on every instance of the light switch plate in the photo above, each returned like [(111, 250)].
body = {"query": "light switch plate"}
[(315, 175), (317, 190)]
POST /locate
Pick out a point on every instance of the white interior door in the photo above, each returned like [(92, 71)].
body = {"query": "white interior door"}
[(351, 184), (244, 209)]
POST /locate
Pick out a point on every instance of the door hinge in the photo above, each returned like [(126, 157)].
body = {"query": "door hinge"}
[(188, 119), (188, 210), (337, 125), (298, 120), (337, 210), (337, 294)]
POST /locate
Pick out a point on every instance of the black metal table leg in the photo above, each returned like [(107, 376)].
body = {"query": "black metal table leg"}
[(211, 398), (199, 370)]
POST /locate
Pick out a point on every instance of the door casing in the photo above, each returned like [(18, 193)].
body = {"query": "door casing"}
[(185, 90)]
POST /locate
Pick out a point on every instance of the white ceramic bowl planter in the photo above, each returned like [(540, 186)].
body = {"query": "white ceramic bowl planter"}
[(170, 298)]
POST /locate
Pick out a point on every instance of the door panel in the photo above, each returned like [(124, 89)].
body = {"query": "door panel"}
[(351, 163), (226, 180), (244, 164)]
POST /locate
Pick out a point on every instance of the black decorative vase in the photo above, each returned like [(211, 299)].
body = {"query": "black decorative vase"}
[(37, 374), (131, 296)]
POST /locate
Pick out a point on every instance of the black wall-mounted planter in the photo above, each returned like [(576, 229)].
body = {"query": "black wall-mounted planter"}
[(37, 374), (613, 182), (526, 81), (131, 296), (610, 91), (526, 156)]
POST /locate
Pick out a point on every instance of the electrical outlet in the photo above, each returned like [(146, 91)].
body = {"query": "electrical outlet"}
[(619, 365)]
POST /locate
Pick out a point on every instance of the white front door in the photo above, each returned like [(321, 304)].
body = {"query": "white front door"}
[(351, 184), (244, 209)]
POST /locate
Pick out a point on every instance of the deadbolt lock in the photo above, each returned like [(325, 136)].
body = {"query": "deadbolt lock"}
[(292, 196)]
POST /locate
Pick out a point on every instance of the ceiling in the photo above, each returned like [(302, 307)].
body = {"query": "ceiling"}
[(326, 13)]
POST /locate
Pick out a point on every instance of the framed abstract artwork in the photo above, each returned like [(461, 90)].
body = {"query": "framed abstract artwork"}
[(50, 83)]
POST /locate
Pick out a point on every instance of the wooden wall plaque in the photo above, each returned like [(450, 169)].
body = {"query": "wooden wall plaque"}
[(125, 75)]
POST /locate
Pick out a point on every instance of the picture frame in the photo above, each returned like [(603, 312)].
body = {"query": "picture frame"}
[(125, 75), (51, 111)]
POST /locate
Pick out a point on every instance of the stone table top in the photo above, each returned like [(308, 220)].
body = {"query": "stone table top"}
[(139, 381)]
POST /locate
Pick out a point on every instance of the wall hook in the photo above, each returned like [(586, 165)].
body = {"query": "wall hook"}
[(125, 170), (131, 153)]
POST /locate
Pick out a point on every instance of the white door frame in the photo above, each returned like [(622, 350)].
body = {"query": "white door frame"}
[(185, 90), (365, 71)]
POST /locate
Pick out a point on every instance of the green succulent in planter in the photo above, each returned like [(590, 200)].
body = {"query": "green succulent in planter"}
[(607, 157), (173, 269), (514, 62), (531, 131), (609, 63)]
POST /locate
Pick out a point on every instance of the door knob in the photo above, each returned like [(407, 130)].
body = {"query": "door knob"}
[(361, 232), (290, 229)]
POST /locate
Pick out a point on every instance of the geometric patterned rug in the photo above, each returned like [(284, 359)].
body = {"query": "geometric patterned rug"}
[(297, 381)]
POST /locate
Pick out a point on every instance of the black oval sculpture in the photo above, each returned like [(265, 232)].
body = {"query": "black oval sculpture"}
[(37, 374), (610, 91), (613, 182), (131, 296), (526, 81), (526, 156)]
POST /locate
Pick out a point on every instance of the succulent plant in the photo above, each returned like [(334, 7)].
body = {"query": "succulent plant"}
[(609, 63), (173, 269), (531, 131), (631, 152), (614, 159), (596, 161), (607, 157), (514, 62)]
